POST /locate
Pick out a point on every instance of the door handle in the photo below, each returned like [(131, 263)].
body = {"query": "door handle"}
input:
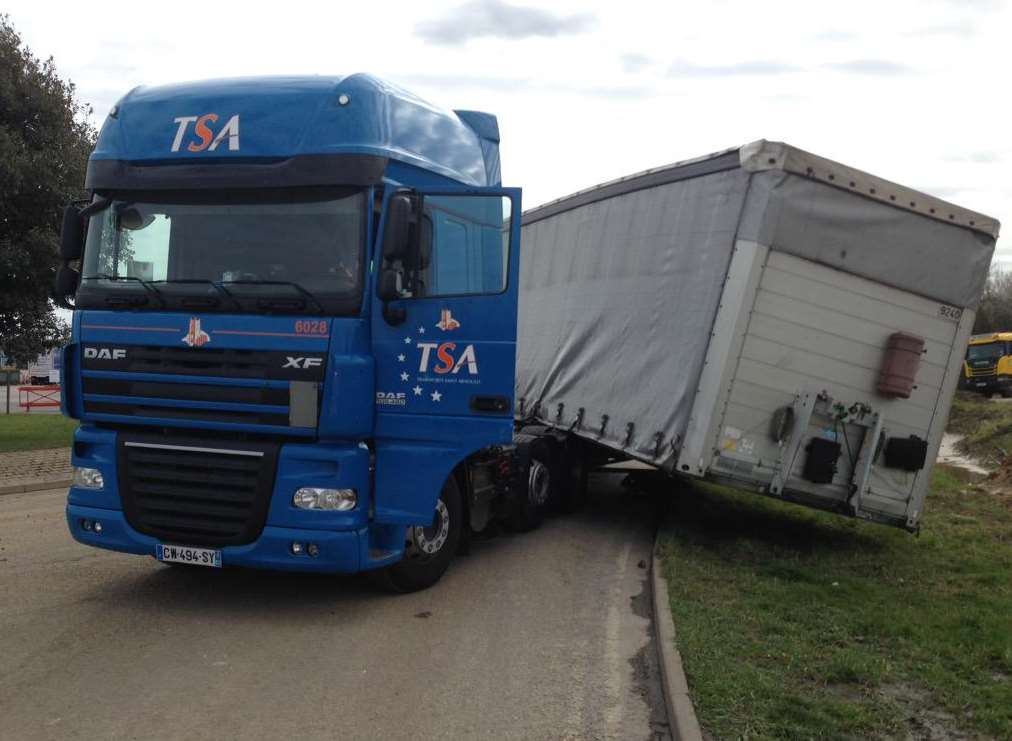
[(490, 403)]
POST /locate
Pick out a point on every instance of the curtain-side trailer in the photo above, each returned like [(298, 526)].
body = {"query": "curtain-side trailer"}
[(763, 317)]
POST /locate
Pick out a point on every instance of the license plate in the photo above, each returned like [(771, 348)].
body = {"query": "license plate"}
[(981, 384), (187, 554)]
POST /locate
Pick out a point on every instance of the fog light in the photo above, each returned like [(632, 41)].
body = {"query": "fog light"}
[(296, 548), (313, 550), (86, 525), (88, 478), (97, 527), (333, 500)]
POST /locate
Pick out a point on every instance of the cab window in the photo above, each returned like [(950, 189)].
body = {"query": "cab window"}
[(464, 245)]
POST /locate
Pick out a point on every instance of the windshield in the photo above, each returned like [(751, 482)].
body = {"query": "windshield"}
[(260, 251), (990, 351)]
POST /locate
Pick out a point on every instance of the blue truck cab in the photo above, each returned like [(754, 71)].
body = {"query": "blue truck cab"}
[(294, 330)]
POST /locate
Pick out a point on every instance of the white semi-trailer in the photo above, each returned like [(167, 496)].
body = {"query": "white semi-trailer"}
[(761, 317)]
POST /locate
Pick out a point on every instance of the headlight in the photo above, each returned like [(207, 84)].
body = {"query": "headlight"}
[(334, 500), (88, 478)]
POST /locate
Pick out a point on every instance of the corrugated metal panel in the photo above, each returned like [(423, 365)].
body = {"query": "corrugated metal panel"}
[(816, 327), (831, 322)]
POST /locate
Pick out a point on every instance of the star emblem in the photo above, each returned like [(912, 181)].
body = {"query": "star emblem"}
[(421, 330), (417, 390), (404, 376), (407, 340), (400, 358), (436, 396)]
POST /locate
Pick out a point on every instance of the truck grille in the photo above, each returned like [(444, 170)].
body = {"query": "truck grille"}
[(979, 372), (223, 362), (204, 362), (196, 492), (224, 385)]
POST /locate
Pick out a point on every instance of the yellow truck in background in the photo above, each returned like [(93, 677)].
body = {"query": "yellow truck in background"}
[(988, 364)]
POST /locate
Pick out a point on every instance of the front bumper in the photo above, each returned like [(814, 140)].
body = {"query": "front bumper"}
[(347, 541), (989, 383), (340, 552)]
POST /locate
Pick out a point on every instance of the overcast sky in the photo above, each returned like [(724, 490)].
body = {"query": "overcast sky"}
[(916, 92)]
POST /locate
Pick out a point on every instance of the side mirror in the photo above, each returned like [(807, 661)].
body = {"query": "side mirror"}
[(65, 286), (397, 229), (71, 234)]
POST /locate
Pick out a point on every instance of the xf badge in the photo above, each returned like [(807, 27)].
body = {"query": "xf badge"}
[(302, 363)]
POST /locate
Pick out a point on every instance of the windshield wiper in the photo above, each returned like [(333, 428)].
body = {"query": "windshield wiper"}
[(273, 302), (217, 287), (120, 300)]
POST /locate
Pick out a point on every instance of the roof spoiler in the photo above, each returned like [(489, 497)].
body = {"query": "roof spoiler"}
[(486, 126)]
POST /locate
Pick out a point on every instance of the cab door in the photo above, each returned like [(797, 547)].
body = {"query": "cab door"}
[(445, 345)]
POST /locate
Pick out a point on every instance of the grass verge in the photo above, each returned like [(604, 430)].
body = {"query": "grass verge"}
[(986, 427), (35, 431), (796, 624)]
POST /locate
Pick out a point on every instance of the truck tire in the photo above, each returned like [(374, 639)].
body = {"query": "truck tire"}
[(429, 550), (528, 511)]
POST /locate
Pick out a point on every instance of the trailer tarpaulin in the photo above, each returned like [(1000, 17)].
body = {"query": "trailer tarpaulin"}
[(847, 231), (622, 292)]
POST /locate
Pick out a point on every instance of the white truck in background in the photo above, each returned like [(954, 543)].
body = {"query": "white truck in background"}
[(44, 371)]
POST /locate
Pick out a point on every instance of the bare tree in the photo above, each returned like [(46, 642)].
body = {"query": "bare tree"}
[(995, 311)]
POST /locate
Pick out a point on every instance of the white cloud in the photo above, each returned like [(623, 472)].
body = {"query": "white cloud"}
[(635, 62), (497, 19), (980, 157), (870, 67), (749, 68)]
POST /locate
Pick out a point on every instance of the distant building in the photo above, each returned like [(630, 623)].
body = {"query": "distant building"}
[(45, 369)]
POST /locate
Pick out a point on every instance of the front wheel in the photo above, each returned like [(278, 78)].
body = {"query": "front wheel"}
[(429, 548)]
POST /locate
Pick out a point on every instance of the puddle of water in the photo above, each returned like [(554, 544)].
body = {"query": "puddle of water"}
[(948, 454)]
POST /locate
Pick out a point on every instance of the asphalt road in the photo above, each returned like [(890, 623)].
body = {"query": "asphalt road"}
[(539, 636)]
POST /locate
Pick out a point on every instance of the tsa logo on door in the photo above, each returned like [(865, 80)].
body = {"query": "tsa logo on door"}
[(446, 360)]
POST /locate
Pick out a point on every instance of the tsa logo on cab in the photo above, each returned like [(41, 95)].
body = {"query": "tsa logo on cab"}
[(202, 136)]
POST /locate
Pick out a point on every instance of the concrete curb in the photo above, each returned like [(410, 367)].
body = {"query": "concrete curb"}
[(681, 715), (19, 487)]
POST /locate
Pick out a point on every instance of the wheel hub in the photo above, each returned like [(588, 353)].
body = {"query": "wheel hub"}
[(538, 483), (429, 540)]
